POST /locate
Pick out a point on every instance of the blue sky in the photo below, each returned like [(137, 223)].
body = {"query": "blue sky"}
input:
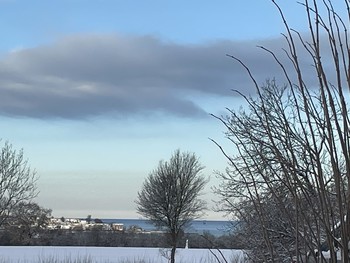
[(98, 92), (32, 23)]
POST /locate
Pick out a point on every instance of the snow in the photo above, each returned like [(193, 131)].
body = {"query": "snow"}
[(111, 254)]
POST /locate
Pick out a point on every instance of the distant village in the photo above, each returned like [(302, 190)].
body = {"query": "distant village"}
[(85, 224)]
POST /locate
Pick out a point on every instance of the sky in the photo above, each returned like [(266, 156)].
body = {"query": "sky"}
[(98, 92)]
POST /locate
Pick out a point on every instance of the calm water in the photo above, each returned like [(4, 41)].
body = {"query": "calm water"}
[(213, 227)]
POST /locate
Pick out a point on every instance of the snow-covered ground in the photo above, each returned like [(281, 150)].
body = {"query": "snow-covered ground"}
[(111, 254)]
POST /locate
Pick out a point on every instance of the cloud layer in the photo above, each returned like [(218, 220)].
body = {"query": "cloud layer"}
[(90, 75)]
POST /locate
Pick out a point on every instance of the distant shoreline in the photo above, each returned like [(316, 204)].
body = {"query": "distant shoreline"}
[(198, 226), (215, 227)]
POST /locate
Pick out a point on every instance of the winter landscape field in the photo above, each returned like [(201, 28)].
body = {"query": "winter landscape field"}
[(30, 254)]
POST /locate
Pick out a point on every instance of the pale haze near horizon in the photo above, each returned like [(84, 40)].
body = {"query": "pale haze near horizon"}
[(98, 92)]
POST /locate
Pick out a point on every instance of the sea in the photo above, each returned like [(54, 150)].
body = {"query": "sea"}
[(214, 227)]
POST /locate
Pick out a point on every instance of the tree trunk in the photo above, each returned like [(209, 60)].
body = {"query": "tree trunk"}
[(172, 255), (173, 247)]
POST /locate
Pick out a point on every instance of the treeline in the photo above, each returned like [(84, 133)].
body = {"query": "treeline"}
[(102, 238)]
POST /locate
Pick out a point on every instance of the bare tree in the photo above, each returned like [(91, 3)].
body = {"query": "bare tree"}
[(17, 181), (27, 221), (170, 195), (289, 182)]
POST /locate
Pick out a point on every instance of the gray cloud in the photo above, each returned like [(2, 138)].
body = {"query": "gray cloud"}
[(91, 75)]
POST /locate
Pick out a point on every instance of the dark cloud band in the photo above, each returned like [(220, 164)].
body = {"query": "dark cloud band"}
[(91, 75)]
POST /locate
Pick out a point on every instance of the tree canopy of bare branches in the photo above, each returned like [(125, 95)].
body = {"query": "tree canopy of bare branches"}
[(17, 181), (27, 221), (289, 181), (170, 195)]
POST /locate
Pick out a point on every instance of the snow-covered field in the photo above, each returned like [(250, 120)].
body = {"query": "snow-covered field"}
[(110, 255)]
